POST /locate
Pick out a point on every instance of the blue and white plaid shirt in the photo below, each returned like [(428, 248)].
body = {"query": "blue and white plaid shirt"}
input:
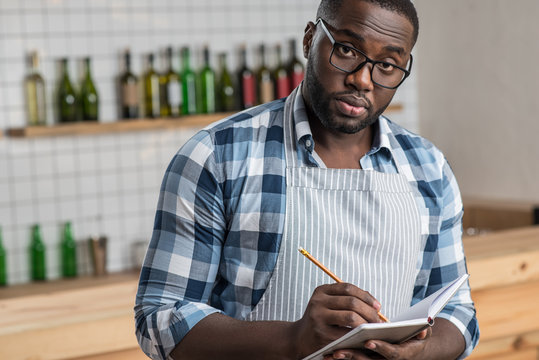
[(220, 221)]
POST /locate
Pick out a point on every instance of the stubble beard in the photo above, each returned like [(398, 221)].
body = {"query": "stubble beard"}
[(319, 106)]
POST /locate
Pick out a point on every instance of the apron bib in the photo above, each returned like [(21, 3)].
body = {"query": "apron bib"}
[(361, 224)]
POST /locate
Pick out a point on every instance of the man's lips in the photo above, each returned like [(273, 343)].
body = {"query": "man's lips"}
[(352, 105)]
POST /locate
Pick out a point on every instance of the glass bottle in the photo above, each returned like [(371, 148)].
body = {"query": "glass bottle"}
[(151, 91), (69, 252), (266, 89), (37, 255), (66, 97), (282, 82), (3, 265), (189, 91), (296, 70), (129, 92), (88, 94), (35, 93), (206, 86), (226, 93), (246, 82), (170, 89)]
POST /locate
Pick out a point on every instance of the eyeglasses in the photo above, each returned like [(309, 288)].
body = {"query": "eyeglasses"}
[(349, 59)]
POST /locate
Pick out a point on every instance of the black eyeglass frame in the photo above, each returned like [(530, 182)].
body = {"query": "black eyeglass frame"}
[(334, 43)]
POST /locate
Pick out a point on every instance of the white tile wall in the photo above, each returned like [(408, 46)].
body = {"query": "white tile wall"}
[(108, 184)]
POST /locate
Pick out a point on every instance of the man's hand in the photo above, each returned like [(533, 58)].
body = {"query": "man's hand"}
[(332, 311), (377, 349), (442, 341)]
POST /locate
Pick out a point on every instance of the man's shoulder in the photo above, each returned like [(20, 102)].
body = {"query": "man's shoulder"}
[(416, 148), (261, 116), (236, 137)]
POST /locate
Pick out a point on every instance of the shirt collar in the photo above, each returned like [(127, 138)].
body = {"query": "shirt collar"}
[(382, 131), (301, 122)]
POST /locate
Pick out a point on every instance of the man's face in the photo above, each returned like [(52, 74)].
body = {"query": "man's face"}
[(346, 102)]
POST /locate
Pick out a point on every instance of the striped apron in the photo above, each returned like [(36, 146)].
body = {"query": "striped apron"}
[(361, 224)]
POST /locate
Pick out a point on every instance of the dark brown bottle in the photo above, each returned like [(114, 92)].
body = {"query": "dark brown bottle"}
[(129, 91)]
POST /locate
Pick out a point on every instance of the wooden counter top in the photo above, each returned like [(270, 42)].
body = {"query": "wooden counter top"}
[(503, 257), (68, 319), (92, 318)]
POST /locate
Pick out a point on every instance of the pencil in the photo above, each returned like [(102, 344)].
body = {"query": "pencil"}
[(332, 275)]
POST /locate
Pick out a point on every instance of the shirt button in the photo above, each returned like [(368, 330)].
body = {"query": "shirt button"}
[(308, 143)]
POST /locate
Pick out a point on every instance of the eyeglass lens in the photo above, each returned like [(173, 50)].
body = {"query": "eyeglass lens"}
[(350, 60)]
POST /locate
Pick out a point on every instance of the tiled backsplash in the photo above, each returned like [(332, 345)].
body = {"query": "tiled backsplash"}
[(109, 184)]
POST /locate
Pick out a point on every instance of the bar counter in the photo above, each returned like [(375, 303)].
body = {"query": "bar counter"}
[(92, 318)]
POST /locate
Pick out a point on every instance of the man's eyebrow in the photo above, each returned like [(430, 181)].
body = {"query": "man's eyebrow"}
[(399, 50), (392, 48)]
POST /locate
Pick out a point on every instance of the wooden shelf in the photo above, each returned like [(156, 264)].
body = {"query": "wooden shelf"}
[(120, 126), (94, 128)]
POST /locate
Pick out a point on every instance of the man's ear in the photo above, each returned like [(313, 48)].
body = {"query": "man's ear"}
[(308, 38)]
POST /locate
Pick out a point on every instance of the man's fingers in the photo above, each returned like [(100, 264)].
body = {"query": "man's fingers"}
[(347, 298), (423, 334), (346, 289)]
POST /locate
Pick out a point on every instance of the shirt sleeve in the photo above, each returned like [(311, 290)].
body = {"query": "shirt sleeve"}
[(449, 262), (182, 260)]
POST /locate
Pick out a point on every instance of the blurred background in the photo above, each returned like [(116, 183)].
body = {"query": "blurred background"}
[(472, 93)]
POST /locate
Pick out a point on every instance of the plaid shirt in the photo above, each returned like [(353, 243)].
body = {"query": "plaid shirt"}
[(220, 221)]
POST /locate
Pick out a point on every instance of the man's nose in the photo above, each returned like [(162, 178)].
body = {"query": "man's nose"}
[(361, 79)]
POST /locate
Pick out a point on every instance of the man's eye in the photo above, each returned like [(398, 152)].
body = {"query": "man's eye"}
[(346, 51), (385, 67)]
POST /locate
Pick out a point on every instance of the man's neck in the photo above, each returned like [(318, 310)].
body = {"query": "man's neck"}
[(339, 150)]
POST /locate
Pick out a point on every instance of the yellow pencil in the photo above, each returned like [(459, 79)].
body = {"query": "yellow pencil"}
[(332, 275)]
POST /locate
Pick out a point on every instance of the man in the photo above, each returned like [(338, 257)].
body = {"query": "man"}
[(378, 205)]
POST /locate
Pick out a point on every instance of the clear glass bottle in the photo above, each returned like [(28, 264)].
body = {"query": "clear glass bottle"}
[(88, 94), (35, 93), (38, 270), (266, 88), (69, 252), (189, 90), (66, 97), (129, 91)]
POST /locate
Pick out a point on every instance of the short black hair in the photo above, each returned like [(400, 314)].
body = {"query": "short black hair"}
[(328, 9)]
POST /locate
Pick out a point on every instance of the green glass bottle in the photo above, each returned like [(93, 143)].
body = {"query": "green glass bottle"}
[(226, 92), (35, 93), (129, 91), (88, 95), (189, 92), (266, 88), (37, 255), (66, 97), (280, 75), (151, 91), (3, 264), (69, 252), (170, 89), (206, 80)]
